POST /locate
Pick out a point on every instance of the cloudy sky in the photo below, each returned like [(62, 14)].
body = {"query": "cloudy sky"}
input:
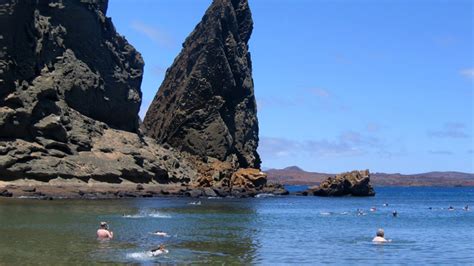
[(340, 85)]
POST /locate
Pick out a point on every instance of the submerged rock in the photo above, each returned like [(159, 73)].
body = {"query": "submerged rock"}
[(206, 104), (355, 183)]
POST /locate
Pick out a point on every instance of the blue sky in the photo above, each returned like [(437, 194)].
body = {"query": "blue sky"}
[(340, 85)]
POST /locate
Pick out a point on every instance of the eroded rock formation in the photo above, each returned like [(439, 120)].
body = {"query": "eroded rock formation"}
[(206, 104), (355, 183)]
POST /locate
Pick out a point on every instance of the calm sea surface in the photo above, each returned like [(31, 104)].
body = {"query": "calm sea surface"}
[(272, 230)]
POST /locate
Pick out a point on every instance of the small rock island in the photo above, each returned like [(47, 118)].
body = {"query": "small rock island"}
[(355, 183)]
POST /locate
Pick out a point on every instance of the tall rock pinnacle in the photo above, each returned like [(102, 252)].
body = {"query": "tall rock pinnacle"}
[(206, 104)]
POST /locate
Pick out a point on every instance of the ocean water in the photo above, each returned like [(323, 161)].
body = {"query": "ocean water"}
[(265, 230)]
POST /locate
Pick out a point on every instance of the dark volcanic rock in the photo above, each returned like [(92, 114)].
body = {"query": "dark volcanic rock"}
[(5, 193), (194, 193), (65, 53), (206, 104), (275, 189), (355, 183), (209, 192)]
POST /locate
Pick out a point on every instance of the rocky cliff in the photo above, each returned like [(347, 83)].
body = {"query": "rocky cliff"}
[(70, 96), (206, 104), (65, 51)]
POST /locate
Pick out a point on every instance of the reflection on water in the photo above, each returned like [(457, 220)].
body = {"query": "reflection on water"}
[(56, 232), (249, 231)]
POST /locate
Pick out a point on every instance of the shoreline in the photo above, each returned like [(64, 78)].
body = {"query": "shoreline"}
[(94, 190), (77, 189)]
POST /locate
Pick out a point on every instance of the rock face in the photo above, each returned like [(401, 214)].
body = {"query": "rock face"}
[(250, 178), (59, 55), (70, 96), (114, 156), (206, 104), (355, 183)]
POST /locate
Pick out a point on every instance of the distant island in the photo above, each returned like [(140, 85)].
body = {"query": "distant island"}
[(294, 175)]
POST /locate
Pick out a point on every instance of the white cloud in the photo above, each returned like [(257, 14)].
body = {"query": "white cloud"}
[(440, 152), (450, 130), (322, 93), (373, 127), (156, 35), (349, 143), (468, 73)]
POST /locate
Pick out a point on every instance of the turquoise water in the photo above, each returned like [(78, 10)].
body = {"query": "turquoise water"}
[(283, 230)]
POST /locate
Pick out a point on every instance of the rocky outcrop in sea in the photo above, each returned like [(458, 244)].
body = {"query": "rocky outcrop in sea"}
[(355, 183), (70, 96), (206, 105)]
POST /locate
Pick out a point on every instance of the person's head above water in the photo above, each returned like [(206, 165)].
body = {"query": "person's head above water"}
[(103, 225), (380, 233)]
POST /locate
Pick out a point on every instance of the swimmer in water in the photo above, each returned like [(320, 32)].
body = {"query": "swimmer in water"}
[(159, 250), (373, 209), (385, 204), (451, 208), (160, 233), (103, 232), (394, 213), (379, 238), (466, 208)]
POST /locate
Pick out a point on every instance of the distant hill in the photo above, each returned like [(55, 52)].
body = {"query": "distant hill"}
[(294, 175)]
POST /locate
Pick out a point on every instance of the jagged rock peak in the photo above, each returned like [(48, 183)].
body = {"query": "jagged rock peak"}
[(206, 104)]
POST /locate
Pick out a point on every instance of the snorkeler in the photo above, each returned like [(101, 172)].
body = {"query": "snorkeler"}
[(103, 232), (380, 237), (159, 250)]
